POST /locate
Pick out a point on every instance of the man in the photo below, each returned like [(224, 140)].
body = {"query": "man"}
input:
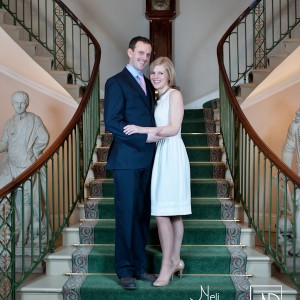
[(131, 158), (24, 139)]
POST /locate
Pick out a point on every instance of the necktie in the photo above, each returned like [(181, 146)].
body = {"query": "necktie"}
[(142, 82)]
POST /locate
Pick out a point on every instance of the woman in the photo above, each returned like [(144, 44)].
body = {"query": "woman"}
[(170, 184)]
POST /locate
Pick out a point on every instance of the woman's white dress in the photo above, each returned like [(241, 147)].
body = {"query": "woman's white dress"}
[(170, 184)]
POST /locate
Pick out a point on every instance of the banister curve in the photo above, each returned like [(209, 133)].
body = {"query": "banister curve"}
[(74, 120), (236, 107)]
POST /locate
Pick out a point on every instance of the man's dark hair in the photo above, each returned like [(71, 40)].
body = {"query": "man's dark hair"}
[(136, 39)]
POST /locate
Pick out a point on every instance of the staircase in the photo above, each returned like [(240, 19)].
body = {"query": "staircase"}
[(39, 55), (275, 58), (218, 248)]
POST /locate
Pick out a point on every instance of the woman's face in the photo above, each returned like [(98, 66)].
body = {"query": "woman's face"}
[(159, 77)]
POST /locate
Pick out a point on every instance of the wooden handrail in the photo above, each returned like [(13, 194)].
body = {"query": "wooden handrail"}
[(75, 119), (293, 177)]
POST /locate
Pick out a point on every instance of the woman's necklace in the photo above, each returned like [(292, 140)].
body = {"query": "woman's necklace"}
[(160, 95)]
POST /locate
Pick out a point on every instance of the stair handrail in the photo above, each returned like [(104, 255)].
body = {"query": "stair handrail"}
[(262, 181), (74, 120), (63, 166)]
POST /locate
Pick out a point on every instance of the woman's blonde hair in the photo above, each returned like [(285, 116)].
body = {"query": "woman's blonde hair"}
[(167, 63)]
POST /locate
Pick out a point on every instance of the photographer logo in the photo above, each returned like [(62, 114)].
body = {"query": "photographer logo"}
[(266, 292)]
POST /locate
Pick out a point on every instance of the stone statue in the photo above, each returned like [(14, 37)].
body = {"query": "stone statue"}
[(24, 139), (291, 144)]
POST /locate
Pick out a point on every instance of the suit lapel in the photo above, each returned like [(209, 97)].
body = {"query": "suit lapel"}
[(132, 81)]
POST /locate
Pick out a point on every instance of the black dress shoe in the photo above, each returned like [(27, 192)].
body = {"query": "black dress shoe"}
[(127, 283), (146, 277)]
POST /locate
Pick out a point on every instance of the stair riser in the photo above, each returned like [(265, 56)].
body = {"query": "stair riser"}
[(204, 155), (193, 114), (205, 211), (14, 33), (29, 48), (208, 171), (291, 46), (204, 189), (73, 91), (193, 127), (61, 79), (246, 90), (58, 266), (46, 64), (275, 61), (197, 171), (71, 237), (200, 140), (203, 234), (42, 295), (102, 261), (258, 77)]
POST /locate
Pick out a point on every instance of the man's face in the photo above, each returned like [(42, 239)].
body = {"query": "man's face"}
[(140, 56), (19, 104)]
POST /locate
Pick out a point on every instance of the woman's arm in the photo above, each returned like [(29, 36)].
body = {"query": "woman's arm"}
[(176, 111), (131, 129)]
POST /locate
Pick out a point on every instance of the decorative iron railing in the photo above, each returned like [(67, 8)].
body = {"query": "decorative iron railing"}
[(265, 186), (54, 184)]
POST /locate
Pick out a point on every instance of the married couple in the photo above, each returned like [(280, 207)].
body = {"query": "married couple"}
[(150, 165)]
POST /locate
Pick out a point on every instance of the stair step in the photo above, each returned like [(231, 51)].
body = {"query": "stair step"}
[(246, 89), (207, 169), (259, 75), (73, 90), (205, 153), (193, 114), (13, 31), (195, 153), (196, 232), (258, 264), (62, 77), (28, 47), (198, 170), (200, 139), (195, 126), (199, 187), (46, 62), (291, 44), (43, 286), (276, 59), (201, 209), (51, 287)]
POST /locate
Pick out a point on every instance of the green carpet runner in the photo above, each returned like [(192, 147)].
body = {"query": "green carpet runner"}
[(215, 263)]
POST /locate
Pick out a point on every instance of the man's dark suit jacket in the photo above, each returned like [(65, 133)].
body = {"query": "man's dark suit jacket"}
[(126, 103)]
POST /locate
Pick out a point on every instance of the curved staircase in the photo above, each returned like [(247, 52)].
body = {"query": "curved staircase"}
[(218, 250)]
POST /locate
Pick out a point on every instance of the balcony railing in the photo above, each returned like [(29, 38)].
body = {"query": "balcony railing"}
[(54, 184)]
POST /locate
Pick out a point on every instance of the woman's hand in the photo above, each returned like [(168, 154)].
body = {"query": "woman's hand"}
[(131, 129)]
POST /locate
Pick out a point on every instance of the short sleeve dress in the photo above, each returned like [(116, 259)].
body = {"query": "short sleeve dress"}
[(170, 183)]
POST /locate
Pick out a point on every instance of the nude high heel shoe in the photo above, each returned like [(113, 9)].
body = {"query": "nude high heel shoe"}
[(179, 268), (176, 269), (160, 282), (163, 282)]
